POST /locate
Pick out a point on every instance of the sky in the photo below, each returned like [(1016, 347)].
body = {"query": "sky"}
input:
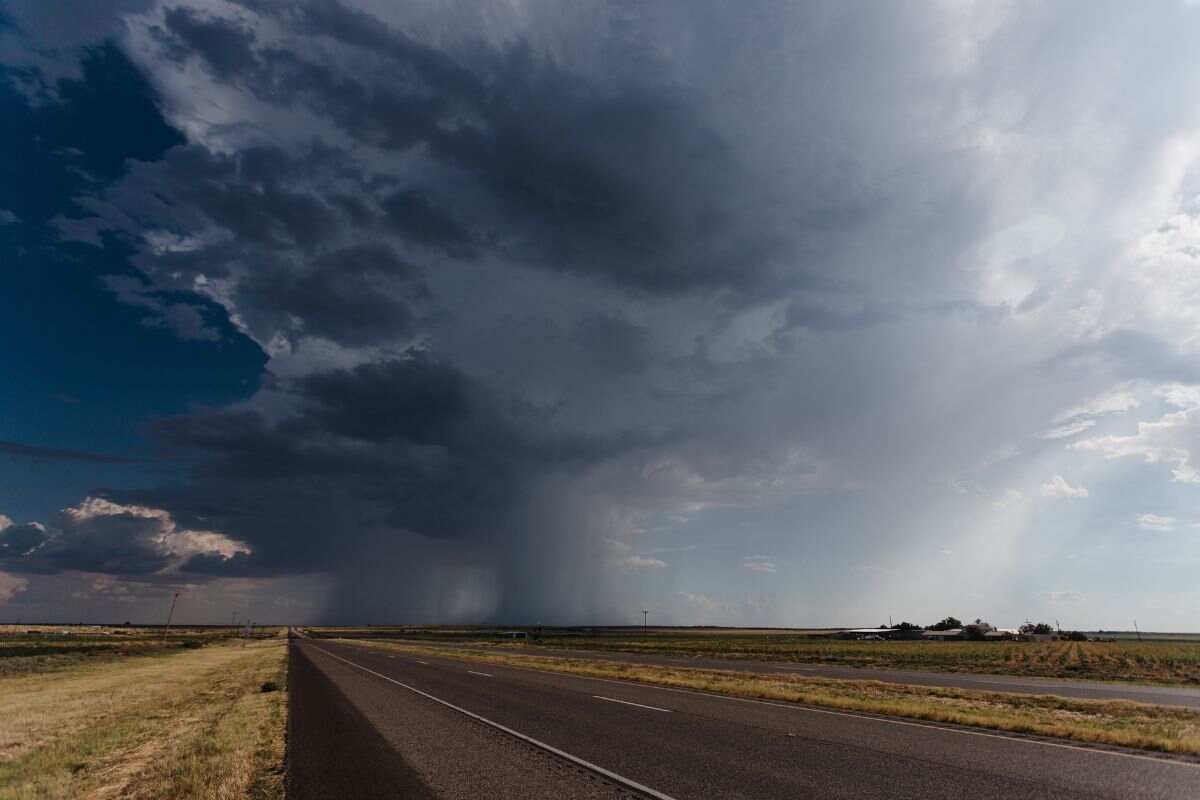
[(771, 314)]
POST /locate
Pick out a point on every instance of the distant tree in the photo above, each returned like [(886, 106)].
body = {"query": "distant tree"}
[(1075, 636), (1040, 628), (906, 626), (949, 623)]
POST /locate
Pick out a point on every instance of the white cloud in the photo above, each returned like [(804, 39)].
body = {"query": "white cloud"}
[(759, 564), (1155, 442), (8, 218), (5, 522), (1058, 487), (1114, 402), (168, 538), (10, 585), (1064, 596), (643, 562), (1069, 429), (1154, 522)]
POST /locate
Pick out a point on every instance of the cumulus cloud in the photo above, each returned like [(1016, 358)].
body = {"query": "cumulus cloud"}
[(99, 535), (1058, 487), (1155, 522), (1166, 440)]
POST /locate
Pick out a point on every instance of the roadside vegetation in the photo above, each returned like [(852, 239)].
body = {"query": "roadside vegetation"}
[(1163, 728), (26, 649), (1160, 662), (197, 716), (1149, 662)]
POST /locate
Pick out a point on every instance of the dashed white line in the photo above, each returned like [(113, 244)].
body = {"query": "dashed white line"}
[(484, 674), (627, 703), (621, 779), (419, 661), (884, 720)]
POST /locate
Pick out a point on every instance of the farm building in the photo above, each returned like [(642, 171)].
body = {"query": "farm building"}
[(945, 636)]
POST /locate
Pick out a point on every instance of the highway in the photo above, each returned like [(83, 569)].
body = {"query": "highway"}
[(1083, 689), (368, 723)]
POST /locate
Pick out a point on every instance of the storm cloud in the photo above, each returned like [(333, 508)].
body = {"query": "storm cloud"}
[(753, 314)]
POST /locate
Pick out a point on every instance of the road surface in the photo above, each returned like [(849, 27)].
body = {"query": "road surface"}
[(1083, 689), (371, 723)]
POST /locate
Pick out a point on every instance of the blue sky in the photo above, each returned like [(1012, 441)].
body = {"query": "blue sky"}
[(796, 315)]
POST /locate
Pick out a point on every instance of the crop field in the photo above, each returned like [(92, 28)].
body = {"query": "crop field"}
[(141, 714), (1165, 662), (1155, 662)]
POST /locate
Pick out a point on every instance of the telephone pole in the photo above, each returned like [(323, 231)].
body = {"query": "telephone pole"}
[(645, 619), (171, 613)]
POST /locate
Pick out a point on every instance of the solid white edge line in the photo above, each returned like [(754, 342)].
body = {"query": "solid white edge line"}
[(484, 674), (628, 703), (621, 779), (865, 716)]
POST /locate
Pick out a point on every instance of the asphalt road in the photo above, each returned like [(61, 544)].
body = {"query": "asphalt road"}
[(1088, 690), (674, 744)]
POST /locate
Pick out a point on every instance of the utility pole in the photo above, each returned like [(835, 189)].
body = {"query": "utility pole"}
[(645, 619), (171, 613), (1135, 630)]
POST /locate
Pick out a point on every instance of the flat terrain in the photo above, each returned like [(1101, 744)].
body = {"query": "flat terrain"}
[(680, 744), (1175, 663), (155, 716), (1080, 688)]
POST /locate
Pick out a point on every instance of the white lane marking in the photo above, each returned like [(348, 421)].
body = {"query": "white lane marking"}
[(621, 779), (626, 702), (484, 674), (419, 661), (927, 726)]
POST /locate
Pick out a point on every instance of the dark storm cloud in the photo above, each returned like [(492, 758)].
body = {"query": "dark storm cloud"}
[(356, 295), (20, 540), (413, 399), (226, 48), (624, 182), (120, 544)]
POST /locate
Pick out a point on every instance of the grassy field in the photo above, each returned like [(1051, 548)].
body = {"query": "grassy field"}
[(1161, 662), (1151, 662), (1167, 729), (184, 715), (1154, 662), (26, 649)]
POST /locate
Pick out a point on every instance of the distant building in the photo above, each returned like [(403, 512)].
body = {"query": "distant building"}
[(944, 636)]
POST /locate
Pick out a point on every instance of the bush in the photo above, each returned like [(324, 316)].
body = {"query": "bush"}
[(270, 686)]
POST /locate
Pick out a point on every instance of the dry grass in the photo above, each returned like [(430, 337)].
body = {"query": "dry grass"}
[(191, 724), (1174, 663), (1168, 729), (47, 648)]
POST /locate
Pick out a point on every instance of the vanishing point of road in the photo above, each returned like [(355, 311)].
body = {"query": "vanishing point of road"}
[(367, 722)]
